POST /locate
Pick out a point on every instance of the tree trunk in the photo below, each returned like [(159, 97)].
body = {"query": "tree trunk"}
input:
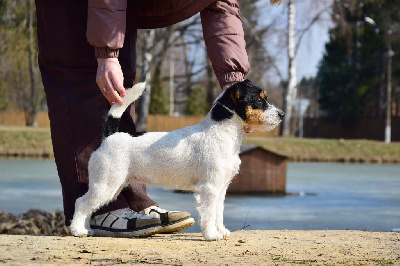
[(32, 110), (171, 82), (291, 91), (144, 100), (388, 120), (211, 95)]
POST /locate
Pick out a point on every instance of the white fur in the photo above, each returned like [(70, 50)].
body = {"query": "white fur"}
[(131, 95), (271, 119), (203, 158)]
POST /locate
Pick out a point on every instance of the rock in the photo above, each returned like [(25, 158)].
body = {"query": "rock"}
[(7, 221), (33, 222)]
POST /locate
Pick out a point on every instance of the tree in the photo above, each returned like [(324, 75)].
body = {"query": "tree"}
[(295, 34), (18, 47), (158, 98), (353, 69), (291, 91), (3, 101), (31, 106), (145, 75), (153, 46), (197, 104)]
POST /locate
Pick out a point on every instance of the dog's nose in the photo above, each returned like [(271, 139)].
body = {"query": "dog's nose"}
[(281, 114)]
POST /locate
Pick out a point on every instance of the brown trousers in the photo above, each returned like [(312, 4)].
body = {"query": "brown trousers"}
[(76, 106)]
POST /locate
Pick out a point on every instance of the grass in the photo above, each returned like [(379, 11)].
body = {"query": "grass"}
[(331, 150), (28, 142), (25, 142), (382, 261)]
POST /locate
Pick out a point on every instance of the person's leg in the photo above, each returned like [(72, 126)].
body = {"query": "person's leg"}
[(171, 221), (76, 106), (136, 196)]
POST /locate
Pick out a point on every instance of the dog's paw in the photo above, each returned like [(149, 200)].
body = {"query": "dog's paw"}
[(90, 232), (81, 232), (213, 235), (224, 231)]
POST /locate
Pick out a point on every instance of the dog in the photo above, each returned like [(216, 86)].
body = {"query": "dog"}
[(203, 158)]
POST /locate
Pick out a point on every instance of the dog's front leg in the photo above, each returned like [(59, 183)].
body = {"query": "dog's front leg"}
[(206, 199), (220, 212)]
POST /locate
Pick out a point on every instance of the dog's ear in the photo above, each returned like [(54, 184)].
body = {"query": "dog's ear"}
[(234, 95), (228, 100)]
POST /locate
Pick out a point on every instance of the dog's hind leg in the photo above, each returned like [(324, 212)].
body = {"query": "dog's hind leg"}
[(96, 197), (106, 180), (206, 199), (80, 222)]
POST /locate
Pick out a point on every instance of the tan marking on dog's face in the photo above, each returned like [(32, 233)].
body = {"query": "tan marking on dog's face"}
[(237, 94), (264, 95), (254, 116)]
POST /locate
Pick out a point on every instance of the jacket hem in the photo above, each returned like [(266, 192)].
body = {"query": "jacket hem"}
[(231, 77), (106, 52)]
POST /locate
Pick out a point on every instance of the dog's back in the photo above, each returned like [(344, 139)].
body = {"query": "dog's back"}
[(158, 157)]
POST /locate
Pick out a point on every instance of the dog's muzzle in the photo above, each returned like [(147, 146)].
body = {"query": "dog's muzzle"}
[(272, 117)]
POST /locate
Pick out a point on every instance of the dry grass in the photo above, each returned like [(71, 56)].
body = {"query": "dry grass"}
[(330, 150), (25, 142)]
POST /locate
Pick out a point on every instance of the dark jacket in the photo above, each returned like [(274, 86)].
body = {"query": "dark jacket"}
[(221, 22)]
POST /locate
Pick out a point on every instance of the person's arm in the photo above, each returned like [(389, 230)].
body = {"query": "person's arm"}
[(106, 32), (224, 38)]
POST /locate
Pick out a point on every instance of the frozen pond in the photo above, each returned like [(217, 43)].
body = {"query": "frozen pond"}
[(330, 196)]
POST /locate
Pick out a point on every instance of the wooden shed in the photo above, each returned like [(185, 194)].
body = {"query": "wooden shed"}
[(261, 171)]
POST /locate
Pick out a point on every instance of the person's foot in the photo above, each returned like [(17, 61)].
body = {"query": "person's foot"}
[(124, 223), (171, 221)]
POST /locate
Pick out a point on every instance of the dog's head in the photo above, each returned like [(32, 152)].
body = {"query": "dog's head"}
[(249, 102)]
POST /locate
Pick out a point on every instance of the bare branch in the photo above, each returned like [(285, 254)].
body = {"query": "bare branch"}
[(312, 22)]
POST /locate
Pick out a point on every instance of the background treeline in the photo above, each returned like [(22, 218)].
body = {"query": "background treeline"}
[(350, 82)]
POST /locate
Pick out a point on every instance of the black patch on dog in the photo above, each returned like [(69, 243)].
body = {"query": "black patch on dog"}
[(219, 113), (137, 134), (229, 100), (111, 126), (237, 98)]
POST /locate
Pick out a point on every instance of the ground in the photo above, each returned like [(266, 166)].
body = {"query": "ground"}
[(241, 248)]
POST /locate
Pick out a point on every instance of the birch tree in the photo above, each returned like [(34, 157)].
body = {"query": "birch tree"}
[(31, 106), (144, 102), (291, 91)]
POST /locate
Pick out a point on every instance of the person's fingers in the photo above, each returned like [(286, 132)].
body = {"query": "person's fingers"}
[(112, 92), (110, 78), (117, 79), (105, 90)]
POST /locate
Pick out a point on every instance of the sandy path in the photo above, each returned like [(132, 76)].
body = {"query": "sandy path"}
[(243, 247)]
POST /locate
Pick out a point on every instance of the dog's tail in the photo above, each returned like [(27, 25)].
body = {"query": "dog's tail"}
[(116, 111)]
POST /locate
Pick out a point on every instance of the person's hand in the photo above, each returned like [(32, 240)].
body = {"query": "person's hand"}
[(110, 79)]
